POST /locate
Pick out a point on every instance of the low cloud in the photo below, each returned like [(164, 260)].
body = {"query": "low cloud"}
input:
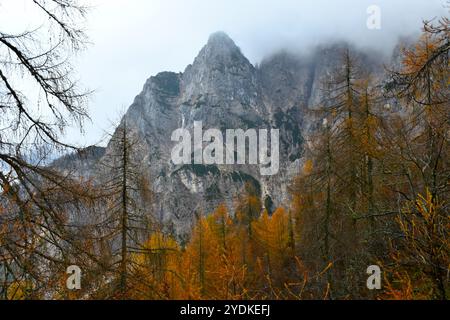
[(137, 39)]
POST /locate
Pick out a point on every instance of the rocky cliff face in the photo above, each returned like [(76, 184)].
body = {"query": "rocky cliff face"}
[(225, 91)]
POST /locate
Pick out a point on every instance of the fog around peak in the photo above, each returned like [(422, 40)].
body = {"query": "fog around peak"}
[(134, 40)]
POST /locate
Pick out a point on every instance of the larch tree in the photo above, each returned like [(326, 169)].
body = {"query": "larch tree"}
[(38, 100), (128, 223), (424, 257), (419, 154)]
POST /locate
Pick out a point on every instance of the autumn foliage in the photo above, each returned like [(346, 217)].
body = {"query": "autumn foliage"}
[(373, 190)]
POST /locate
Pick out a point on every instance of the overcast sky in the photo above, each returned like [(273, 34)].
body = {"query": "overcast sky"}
[(135, 39)]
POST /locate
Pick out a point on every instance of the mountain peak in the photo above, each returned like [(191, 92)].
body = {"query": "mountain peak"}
[(220, 38), (220, 70)]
